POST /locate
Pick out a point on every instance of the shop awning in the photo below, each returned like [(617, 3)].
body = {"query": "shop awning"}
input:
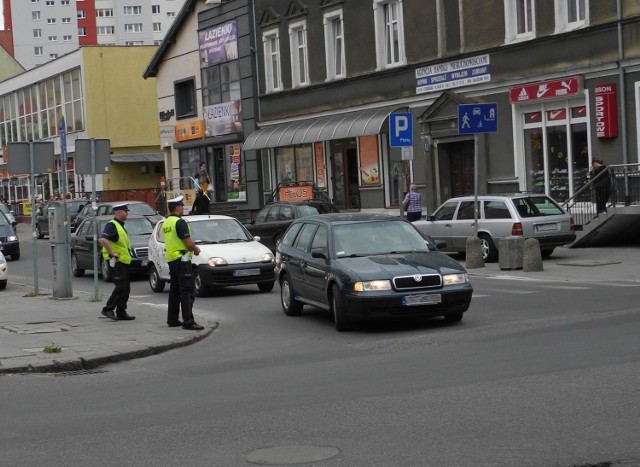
[(346, 125), (146, 157)]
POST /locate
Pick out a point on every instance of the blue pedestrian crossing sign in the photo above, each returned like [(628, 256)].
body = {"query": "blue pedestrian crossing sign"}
[(477, 118)]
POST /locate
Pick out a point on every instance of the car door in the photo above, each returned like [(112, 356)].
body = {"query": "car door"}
[(299, 258), (260, 227), (441, 225), (463, 225), (315, 270), (83, 244), (157, 253)]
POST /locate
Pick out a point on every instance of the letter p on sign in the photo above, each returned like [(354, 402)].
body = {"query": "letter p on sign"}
[(401, 129)]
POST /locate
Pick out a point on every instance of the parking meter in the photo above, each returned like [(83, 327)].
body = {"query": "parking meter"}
[(60, 256)]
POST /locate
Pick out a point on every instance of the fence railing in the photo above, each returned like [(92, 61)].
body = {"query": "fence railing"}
[(624, 180)]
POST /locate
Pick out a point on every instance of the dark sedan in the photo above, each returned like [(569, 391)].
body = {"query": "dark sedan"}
[(139, 230), (273, 220), (368, 266), (106, 208), (9, 242), (74, 206)]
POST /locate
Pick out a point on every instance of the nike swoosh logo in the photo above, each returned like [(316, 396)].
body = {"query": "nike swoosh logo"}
[(542, 90), (554, 114)]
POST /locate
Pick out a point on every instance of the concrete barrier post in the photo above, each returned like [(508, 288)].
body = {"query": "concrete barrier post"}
[(511, 250), (532, 256), (474, 253)]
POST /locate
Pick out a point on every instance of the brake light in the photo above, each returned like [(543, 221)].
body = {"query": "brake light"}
[(516, 230), (572, 224)]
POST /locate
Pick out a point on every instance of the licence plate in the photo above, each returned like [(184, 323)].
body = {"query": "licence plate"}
[(246, 272), (546, 227), (431, 299)]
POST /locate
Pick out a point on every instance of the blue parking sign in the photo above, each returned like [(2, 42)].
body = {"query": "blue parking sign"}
[(400, 129), (477, 118)]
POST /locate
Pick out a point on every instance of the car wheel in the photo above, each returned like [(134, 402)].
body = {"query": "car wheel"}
[(15, 256), (3, 284), (546, 253), (266, 286), (156, 284), (39, 232), (75, 270), (106, 271), (200, 288), (489, 250), (339, 310), (290, 305), (453, 317)]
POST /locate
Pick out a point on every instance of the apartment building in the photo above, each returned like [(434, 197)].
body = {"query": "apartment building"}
[(43, 30)]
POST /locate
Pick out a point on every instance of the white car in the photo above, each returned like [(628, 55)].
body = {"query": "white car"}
[(4, 272), (229, 255)]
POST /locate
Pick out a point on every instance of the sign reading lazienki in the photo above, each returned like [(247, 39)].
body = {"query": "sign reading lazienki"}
[(218, 44), (224, 118), (453, 74)]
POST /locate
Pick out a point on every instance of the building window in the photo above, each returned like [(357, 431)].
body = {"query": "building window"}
[(82, 31), (272, 69), (35, 15), (50, 3), (106, 30), (51, 21), (135, 27), (299, 55), (520, 20), (53, 56), (104, 13), (37, 33), (157, 27), (155, 9), (133, 10), (67, 38), (334, 45), (221, 83), (64, 2), (81, 14), (389, 33), (185, 97), (133, 43), (53, 38), (171, 14), (571, 14), (66, 20), (37, 51)]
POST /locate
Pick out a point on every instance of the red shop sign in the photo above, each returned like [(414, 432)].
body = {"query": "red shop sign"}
[(545, 90), (606, 111)]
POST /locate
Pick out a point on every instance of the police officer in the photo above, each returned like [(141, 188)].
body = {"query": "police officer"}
[(179, 247), (116, 250)]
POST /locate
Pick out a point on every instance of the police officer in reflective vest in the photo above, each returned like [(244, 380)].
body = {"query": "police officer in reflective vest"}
[(116, 250), (179, 247)]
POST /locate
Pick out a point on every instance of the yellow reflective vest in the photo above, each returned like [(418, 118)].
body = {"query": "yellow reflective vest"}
[(174, 246), (122, 246)]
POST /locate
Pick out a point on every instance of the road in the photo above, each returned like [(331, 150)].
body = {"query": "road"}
[(537, 374)]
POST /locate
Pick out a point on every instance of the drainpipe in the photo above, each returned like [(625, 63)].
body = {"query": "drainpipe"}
[(623, 100)]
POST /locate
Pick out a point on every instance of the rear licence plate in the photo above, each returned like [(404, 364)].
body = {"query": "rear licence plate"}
[(431, 299), (546, 227), (246, 272)]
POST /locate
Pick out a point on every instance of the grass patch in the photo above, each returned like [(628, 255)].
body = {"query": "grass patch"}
[(52, 349)]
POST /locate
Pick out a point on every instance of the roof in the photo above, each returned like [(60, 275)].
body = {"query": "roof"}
[(351, 218), (204, 217)]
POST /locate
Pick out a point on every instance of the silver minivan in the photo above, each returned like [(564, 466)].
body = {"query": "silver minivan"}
[(528, 215)]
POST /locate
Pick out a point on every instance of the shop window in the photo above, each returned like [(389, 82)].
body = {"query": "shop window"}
[(294, 163), (221, 83), (185, 98)]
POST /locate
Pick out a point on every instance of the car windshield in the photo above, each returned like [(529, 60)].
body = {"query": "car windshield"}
[(4, 208), (218, 231), (306, 210), (536, 206), (75, 206), (3, 219), (374, 238), (137, 226), (142, 209)]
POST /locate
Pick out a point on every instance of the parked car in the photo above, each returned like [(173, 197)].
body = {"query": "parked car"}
[(138, 228), (272, 221), (9, 241), (74, 206), (9, 213), (106, 208), (368, 266), (528, 215), (4, 272), (229, 256)]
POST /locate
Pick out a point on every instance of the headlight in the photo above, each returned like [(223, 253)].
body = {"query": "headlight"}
[(12, 238), (267, 258), (372, 286), (216, 261), (453, 279)]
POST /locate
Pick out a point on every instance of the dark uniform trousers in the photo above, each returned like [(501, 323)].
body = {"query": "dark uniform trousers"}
[(181, 292), (120, 295)]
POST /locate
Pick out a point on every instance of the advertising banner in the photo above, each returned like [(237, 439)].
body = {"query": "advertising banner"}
[(545, 90), (218, 44), (606, 109), (463, 72), (369, 167), (224, 118)]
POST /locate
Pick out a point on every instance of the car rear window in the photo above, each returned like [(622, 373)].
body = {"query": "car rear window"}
[(306, 210), (537, 206), (496, 210)]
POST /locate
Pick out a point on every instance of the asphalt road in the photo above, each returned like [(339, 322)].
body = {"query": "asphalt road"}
[(537, 374)]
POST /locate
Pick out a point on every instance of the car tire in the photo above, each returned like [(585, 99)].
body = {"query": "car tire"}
[(290, 305), (15, 256), (339, 310), (156, 284), (39, 232), (3, 284), (547, 252), (201, 289), (75, 270), (266, 286), (453, 317), (106, 271), (489, 250)]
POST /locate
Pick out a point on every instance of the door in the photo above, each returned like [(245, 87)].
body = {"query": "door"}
[(462, 170), (345, 175), (316, 269)]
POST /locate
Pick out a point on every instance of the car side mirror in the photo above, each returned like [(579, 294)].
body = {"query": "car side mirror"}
[(14, 224), (319, 253), (440, 244), (256, 238), (430, 218)]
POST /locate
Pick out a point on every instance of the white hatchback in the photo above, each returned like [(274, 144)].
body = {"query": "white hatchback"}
[(4, 272), (229, 255)]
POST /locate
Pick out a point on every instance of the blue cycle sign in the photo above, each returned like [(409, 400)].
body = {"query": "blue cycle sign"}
[(477, 118)]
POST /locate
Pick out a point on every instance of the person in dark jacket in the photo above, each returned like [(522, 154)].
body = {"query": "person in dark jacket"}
[(200, 204), (601, 184)]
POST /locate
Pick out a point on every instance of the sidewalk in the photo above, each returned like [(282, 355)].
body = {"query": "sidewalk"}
[(85, 339)]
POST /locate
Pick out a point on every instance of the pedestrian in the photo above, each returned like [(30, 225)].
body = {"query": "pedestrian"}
[(412, 205), (601, 184), (203, 177), (179, 248), (116, 250), (200, 204)]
